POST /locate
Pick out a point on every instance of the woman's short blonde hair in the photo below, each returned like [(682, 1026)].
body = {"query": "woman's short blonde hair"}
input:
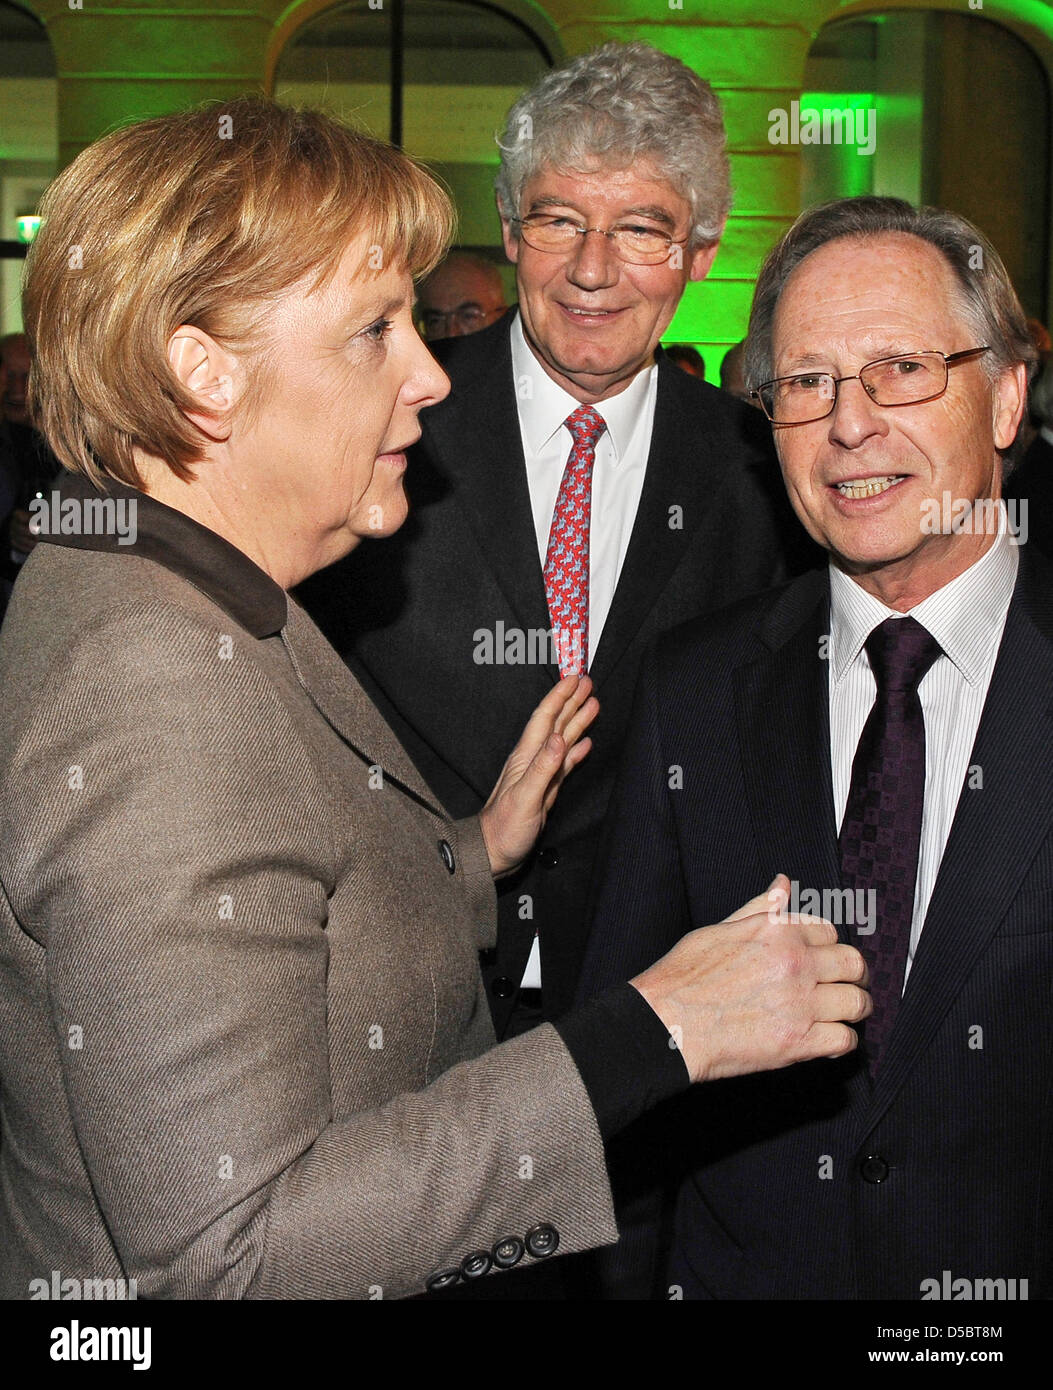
[(203, 217)]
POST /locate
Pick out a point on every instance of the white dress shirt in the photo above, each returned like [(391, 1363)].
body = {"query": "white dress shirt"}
[(617, 476), (967, 618), (617, 482)]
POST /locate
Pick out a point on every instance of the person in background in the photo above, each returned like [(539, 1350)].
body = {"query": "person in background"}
[(9, 471), (10, 489), (687, 358), (732, 378), (1030, 483), (576, 493), (27, 465), (462, 295)]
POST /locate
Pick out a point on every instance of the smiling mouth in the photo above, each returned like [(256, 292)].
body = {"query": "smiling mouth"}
[(868, 487), (589, 313)]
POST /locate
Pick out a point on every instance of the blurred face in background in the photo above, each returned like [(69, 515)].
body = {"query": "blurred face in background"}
[(14, 381), (459, 297)]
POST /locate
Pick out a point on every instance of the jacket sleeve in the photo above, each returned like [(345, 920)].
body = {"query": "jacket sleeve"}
[(184, 925), (639, 910)]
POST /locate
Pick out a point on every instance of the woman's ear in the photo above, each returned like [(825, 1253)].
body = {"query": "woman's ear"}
[(207, 371)]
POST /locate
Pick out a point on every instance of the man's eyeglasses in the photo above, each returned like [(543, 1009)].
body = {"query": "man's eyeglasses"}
[(469, 318), (632, 243), (907, 379)]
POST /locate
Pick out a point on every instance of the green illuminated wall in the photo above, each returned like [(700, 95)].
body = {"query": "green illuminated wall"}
[(120, 61)]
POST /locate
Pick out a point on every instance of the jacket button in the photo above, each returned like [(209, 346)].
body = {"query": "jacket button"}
[(502, 987), (874, 1168), (548, 858), (542, 1240), (446, 855), (508, 1252), (443, 1279), (475, 1265)]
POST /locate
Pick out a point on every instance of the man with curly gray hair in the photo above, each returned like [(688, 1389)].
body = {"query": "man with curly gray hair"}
[(577, 494)]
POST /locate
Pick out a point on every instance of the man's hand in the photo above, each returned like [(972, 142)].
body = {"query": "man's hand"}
[(551, 745), (759, 991)]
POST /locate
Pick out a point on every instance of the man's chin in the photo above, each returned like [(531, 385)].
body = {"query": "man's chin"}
[(597, 374)]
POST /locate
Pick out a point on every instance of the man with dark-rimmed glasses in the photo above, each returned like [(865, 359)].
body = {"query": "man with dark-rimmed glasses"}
[(879, 732)]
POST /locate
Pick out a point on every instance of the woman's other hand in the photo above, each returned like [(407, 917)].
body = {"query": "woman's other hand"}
[(551, 744)]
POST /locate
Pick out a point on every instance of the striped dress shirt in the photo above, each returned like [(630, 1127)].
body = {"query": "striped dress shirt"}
[(967, 617)]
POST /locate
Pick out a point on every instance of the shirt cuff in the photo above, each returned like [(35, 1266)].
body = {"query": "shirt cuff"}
[(625, 1054)]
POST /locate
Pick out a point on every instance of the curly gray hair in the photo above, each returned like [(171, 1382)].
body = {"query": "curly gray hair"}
[(614, 107)]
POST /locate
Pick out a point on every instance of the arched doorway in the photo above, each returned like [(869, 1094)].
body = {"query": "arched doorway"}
[(959, 111), (434, 76)]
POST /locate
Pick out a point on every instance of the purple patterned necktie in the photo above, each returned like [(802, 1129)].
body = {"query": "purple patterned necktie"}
[(567, 556), (881, 832)]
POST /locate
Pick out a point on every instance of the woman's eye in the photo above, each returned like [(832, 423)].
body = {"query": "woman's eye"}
[(377, 332)]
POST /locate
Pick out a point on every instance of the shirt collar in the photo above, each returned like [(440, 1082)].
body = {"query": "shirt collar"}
[(544, 406), (170, 538), (965, 616)]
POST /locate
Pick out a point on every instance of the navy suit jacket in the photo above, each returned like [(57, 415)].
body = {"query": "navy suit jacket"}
[(405, 613), (813, 1182)]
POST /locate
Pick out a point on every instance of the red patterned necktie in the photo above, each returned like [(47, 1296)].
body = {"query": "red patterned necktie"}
[(567, 557), (881, 832)]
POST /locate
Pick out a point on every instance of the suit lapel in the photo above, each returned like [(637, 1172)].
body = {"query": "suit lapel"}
[(996, 832), (651, 558), (481, 452), (346, 706), (782, 706), (783, 710)]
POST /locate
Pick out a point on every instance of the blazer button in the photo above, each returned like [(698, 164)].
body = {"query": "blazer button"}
[(508, 1252), (502, 987), (475, 1265), (446, 855), (874, 1168), (443, 1279), (548, 858), (542, 1240)]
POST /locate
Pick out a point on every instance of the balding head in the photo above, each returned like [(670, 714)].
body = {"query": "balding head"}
[(14, 378), (460, 296)]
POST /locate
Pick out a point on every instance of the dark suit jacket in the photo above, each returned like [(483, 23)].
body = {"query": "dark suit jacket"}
[(408, 613), (811, 1182)]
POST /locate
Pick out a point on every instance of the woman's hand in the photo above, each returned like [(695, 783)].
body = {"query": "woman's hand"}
[(550, 746)]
